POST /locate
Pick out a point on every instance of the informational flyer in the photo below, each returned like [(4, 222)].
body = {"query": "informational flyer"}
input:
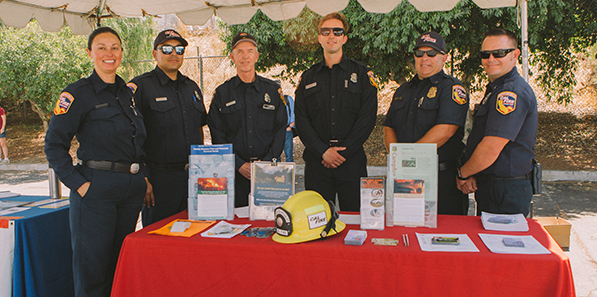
[(272, 183), (211, 182), (372, 202), (412, 184)]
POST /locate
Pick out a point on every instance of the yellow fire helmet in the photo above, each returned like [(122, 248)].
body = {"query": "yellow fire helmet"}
[(306, 216)]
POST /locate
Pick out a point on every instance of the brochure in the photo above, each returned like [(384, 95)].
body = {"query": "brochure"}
[(272, 183), (211, 182), (513, 244), (412, 184), (504, 222), (193, 228), (372, 202), (224, 229), (446, 243)]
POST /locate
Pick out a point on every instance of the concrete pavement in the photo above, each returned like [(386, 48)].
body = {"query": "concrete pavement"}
[(571, 195)]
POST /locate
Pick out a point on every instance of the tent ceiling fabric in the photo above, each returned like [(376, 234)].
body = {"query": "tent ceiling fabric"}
[(79, 14)]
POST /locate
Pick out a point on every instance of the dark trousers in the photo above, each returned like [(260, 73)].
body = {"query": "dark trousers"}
[(242, 188), (450, 200), (344, 180), (170, 191), (99, 222), (504, 196)]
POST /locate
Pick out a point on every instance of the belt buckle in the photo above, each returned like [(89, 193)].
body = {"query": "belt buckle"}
[(134, 168), (333, 142)]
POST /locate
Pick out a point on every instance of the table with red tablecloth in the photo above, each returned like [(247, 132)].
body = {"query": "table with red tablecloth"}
[(155, 265)]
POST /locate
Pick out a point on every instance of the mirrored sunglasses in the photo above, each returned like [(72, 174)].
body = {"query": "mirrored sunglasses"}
[(430, 53), (327, 31), (168, 49), (500, 53)]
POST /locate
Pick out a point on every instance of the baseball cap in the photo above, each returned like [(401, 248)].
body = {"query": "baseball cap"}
[(166, 35), (433, 40), (241, 37)]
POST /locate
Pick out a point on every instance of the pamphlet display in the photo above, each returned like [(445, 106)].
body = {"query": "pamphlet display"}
[(211, 182), (412, 185), (372, 202), (272, 183)]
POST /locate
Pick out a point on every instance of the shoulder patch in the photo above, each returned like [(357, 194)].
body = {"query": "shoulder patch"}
[(282, 95), (63, 103), (506, 102), (372, 79), (458, 94), (132, 86)]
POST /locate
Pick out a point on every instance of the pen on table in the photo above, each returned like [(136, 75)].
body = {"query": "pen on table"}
[(405, 239)]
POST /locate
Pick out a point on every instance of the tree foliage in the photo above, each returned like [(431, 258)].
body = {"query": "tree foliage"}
[(557, 30), (36, 65)]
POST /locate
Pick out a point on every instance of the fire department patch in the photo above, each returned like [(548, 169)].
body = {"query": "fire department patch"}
[(506, 102), (372, 79), (458, 94), (132, 86), (63, 103)]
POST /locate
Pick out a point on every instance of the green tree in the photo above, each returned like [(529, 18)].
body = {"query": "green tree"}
[(37, 65), (385, 42)]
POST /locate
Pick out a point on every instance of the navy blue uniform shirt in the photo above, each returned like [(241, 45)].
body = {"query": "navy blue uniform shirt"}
[(251, 116), (174, 115), (509, 110), (338, 103), (106, 122), (418, 105)]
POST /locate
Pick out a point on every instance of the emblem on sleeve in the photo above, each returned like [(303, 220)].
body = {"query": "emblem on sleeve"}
[(63, 103), (132, 86), (372, 79), (458, 94), (506, 102)]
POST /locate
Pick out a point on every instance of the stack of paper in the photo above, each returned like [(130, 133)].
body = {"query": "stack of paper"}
[(504, 222), (512, 244)]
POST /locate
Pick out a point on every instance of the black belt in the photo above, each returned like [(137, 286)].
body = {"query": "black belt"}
[(487, 177), (113, 166), (169, 167)]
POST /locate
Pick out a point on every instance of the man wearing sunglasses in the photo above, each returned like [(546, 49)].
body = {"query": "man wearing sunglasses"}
[(336, 106), (174, 116), (248, 111), (432, 108), (501, 144)]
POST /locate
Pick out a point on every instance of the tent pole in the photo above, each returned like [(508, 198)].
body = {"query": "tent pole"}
[(525, 39)]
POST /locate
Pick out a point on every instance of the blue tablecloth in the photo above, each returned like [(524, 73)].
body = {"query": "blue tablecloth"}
[(43, 254)]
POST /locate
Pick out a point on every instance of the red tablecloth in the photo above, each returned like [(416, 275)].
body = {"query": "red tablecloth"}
[(154, 265)]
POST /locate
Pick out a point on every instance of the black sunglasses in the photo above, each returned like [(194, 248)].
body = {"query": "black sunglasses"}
[(167, 49), (500, 53), (327, 31), (430, 53)]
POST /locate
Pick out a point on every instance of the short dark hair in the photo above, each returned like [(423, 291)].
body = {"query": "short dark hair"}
[(334, 15), (502, 32), (99, 31)]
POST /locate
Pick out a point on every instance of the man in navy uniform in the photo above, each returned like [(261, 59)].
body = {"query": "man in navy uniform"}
[(336, 107), (174, 114), (501, 145), (432, 108), (248, 111)]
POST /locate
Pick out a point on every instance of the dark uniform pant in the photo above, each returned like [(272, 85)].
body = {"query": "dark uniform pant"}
[(170, 191), (450, 200), (504, 196), (99, 222), (344, 180), (242, 188)]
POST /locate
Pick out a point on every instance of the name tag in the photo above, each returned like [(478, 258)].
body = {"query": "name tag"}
[(310, 85), (161, 99), (230, 103), (101, 105), (269, 107)]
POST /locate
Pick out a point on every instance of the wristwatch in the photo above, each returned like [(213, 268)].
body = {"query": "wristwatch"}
[(460, 175)]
